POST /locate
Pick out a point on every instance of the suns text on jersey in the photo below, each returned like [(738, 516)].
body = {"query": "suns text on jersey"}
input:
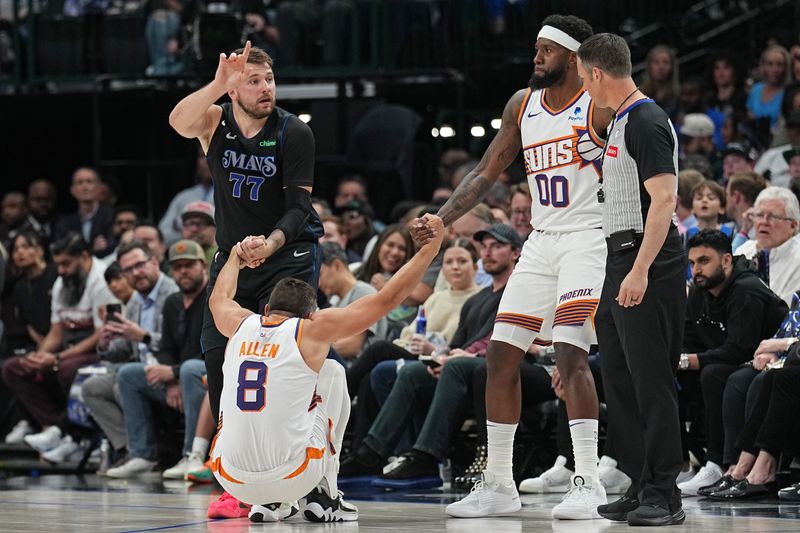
[(556, 153)]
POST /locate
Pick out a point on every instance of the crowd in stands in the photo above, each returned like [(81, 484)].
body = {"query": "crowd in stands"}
[(105, 290)]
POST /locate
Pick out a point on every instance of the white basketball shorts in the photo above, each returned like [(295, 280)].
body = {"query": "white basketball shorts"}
[(554, 291)]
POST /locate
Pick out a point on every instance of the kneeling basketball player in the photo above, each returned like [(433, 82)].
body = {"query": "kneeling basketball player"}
[(284, 407)]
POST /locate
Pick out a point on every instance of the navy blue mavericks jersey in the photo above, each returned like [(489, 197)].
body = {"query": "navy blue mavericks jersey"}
[(249, 175)]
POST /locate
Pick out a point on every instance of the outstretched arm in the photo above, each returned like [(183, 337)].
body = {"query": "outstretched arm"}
[(331, 324), (501, 152), (226, 312)]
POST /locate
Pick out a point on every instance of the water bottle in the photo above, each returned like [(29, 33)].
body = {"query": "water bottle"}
[(105, 455), (422, 322)]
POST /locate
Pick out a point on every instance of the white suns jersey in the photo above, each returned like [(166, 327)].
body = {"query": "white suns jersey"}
[(563, 158), (268, 396)]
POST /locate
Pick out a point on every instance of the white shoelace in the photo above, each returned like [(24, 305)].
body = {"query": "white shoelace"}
[(583, 494)]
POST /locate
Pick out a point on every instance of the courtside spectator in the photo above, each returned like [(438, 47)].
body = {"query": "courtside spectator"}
[(92, 220)]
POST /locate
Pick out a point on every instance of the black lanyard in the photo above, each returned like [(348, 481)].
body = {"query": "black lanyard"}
[(601, 195)]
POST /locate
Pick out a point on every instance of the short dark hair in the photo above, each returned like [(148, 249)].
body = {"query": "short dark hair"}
[(608, 52), (354, 178), (332, 251), (130, 246), (575, 27), (113, 271), (712, 238), (71, 244), (293, 296), (128, 208), (257, 56), (147, 223)]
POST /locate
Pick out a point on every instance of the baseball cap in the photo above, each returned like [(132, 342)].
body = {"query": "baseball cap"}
[(357, 205), (697, 125), (502, 232), (739, 148), (791, 152), (186, 249), (204, 209), (333, 250)]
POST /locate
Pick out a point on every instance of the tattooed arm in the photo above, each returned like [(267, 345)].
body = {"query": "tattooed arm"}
[(501, 153)]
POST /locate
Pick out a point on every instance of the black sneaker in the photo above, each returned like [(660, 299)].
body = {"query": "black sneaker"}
[(618, 510), (724, 483), (790, 493), (317, 506), (655, 515), (412, 465), (362, 462)]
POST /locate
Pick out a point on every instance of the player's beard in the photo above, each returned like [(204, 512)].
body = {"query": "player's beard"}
[(714, 280), (73, 287), (253, 111), (548, 79)]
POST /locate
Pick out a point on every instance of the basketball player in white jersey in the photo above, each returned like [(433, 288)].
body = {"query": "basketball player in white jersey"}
[(284, 406), (555, 287)]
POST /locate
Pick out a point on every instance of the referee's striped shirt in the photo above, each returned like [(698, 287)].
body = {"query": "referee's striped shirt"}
[(642, 143)]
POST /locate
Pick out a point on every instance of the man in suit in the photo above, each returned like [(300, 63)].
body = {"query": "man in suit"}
[(92, 220)]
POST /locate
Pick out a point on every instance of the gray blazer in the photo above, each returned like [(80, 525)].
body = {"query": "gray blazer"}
[(122, 350)]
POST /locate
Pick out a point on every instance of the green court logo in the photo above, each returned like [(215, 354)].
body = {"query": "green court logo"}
[(267, 143)]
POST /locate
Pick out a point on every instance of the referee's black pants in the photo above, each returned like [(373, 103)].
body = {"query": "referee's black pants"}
[(640, 348)]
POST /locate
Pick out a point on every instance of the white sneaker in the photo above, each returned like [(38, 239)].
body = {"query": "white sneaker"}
[(581, 502), (67, 451), (19, 432), (685, 475), (487, 498), (44, 441), (188, 463), (131, 468), (614, 480), (273, 512), (555, 479), (708, 475)]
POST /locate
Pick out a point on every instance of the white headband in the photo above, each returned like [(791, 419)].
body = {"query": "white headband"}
[(560, 37)]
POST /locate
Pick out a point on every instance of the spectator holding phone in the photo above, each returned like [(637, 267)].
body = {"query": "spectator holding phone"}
[(130, 336)]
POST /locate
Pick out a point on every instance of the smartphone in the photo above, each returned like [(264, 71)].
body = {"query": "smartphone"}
[(430, 360), (110, 310)]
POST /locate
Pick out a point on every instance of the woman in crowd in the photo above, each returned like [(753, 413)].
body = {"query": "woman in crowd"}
[(727, 80), (31, 300), (442, 310), (661, 79), (766, 95)]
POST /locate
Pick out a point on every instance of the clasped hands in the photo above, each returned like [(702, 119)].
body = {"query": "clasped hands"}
[(254, 250)]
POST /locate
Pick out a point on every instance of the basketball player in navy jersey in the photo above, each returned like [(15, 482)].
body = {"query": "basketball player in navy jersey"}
[(262, 162)]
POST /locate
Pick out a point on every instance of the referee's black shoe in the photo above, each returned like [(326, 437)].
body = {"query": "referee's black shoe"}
[(648, 514), (618, 510)]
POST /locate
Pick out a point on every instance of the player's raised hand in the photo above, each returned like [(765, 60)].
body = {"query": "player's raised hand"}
[(435, 230), (232, 69), (421, 232)]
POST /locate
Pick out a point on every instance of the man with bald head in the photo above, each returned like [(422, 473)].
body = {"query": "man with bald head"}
[(13, 212), (92, 220), (42, 216)]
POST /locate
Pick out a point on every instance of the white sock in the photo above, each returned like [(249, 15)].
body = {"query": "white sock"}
[(200, 446), (584, 447), (500, 439)]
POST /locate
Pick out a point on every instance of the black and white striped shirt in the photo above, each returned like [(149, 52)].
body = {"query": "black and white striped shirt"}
[(642, 143)]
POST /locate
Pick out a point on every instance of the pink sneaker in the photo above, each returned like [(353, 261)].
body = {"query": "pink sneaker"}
[(228, 507)]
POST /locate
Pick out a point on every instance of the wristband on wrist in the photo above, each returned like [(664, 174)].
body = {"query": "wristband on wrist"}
[(684, 361)]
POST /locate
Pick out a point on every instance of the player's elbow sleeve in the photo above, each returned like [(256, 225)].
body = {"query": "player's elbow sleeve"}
[(298, 211)]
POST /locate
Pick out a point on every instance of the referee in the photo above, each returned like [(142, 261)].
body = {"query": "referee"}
[(640, 317)]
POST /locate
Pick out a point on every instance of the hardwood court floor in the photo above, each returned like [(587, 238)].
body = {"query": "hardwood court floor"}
[(88, 504)]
